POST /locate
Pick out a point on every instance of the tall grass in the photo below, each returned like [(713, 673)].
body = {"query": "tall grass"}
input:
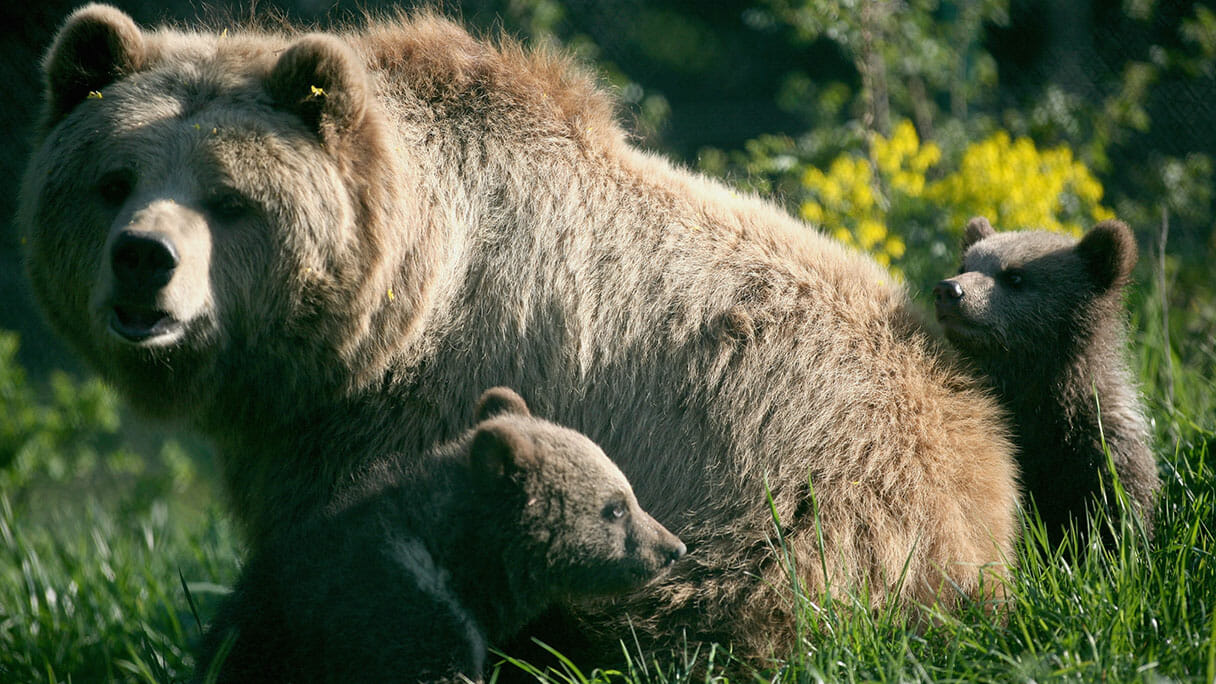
[(92, 595)]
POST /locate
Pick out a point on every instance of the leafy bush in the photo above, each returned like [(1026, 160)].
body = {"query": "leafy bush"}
[(72, 434)]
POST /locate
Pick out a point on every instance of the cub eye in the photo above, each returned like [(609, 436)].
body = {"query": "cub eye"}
[(615, 511), (1012, 278), (115, 186), (229, 206)]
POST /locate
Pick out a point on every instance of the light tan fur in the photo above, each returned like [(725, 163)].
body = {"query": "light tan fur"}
[(449, 215)]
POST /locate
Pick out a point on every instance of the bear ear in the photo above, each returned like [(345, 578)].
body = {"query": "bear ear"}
[(499, 449), (1109, 252), (977, 229), (97, 45), (322, 81), (499, 400)]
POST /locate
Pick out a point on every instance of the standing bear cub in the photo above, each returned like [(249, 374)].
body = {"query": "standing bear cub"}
[(1041, 315), (442, 556)]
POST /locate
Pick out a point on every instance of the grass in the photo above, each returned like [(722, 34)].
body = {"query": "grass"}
[(97, 591)]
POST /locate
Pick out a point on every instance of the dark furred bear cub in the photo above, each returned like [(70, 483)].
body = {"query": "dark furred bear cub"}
[(1042, 316), (440, 557)]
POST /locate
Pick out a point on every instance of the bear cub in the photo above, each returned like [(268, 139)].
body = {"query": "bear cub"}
[(1041, 315), (438, 558)]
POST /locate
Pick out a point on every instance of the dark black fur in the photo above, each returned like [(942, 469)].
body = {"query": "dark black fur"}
[(428, 564), (1042, 316)]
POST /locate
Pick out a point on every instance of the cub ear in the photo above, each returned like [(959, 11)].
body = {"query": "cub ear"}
[(322, 81), (1109, 253), (499, 400), (97, 45), (977, 229), (499, 449)]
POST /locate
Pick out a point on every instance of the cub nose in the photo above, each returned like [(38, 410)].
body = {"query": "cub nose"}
[(947, 291), (676, 553), (143, 261)]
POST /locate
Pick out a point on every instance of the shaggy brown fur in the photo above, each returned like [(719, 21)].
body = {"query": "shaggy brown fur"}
[(326, 244), (1041, 315), (444, 555)]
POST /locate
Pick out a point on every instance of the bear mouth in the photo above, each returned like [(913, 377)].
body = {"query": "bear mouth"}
[(960, 331), (945, 313), (138, 324), (950, 319)]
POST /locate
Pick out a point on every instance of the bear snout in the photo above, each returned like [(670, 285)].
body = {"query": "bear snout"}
[(947, 292), (946, 298), (667, 547), (142, 263), (675, 553)]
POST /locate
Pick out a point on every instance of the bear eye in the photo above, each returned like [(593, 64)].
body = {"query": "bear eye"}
[(229, 206), (1012, 278), (115, 186), (615, 511)]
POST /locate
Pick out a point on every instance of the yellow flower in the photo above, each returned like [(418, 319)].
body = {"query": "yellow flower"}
[(870, 233), (850, 202), (1018, 186), (831, 193), (861, 197), (812, 212), (895, 246), (812, 178)]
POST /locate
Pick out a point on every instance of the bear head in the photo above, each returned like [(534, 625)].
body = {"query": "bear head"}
[(576, 529), (198, 203), (1020, 293)]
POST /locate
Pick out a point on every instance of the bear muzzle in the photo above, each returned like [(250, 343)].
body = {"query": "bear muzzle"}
[(675, 553), (141, 264), (154, 277), (664, 546), (947, 300)]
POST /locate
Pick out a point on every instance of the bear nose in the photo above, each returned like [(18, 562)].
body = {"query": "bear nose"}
[(143, 260), (947, 290), (676, 553)]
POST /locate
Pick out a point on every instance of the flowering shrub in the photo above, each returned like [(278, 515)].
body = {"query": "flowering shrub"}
[(1017, 186), (854, 205), (905, 189)]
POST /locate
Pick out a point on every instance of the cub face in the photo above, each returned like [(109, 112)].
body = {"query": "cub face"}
[(1021, 292), (579, 515)]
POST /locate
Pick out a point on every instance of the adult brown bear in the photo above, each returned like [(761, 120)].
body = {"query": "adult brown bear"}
[(318, 248)]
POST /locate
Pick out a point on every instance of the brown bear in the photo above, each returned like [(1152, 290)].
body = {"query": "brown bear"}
[(317, 248), (444, 555), (1041, 316)]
